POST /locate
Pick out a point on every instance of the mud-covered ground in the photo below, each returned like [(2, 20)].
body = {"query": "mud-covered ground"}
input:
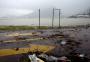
[(81, 35)]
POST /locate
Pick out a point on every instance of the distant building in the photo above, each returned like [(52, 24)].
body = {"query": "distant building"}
[(83, 16), (80, 16)]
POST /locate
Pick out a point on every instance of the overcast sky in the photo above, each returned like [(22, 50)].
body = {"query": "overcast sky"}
[(25, 7)]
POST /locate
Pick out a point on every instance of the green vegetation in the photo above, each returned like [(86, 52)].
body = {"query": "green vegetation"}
[(22, 27)]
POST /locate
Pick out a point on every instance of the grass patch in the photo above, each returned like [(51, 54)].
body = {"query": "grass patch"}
[(22, 27)]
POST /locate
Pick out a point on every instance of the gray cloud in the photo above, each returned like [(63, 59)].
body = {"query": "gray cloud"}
[(68, 7)]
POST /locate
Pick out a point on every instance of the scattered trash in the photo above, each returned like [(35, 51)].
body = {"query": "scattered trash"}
[(63, 42), (63, 59), (81, 55), (34, 58), (74, 57)]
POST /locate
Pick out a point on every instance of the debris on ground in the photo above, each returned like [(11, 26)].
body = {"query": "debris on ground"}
[(75, 57)]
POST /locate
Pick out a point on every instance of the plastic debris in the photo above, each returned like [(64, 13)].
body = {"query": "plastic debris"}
[(81, 55), (63, 42), (34, 58)]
